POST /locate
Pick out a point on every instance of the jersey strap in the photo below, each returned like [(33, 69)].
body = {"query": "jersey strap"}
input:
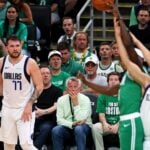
[(3, 63), (25, 70)]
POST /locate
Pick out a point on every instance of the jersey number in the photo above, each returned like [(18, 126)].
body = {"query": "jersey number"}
[(17, 85)]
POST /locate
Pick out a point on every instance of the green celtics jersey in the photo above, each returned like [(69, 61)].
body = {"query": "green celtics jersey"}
[(60, 80), (130, 95), (109, 106)]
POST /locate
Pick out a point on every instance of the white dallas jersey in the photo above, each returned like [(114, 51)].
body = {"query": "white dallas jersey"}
[(17, 85), (145, 111), (104, 72)]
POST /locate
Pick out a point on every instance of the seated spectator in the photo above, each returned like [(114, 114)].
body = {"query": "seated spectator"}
[(69, 29), (45, 110), (58, 77), (90, 67), (142, 29), (106, 64), (25, 14), (135, 9), (3, 7), (73, 117), (12, 25), (108, 109), (68, 65)]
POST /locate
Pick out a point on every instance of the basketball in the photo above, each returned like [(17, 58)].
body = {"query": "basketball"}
[(102, 5)]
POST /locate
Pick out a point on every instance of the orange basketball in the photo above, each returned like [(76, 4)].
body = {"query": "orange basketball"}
[(102, 5)]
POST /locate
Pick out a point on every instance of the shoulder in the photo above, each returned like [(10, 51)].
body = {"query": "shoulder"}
[(56, 89), (84, 97), (63, 99), (65, 74), (1, 23), (32, 64), (22, 25)]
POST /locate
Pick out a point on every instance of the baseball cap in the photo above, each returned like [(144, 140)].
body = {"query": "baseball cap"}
[(92, 59), (54, 52)]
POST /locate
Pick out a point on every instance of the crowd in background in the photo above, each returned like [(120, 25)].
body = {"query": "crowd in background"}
[(63, 110)]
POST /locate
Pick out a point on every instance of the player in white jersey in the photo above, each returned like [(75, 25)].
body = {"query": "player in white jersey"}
[(22, 83), (142, 78)]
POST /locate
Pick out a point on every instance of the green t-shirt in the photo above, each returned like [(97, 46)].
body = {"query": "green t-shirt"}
[(130, 95), (72, 67), (110, 107), (60, 80), (22, 32)]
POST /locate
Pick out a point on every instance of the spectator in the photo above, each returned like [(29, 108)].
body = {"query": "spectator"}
[(68, 65), (142, 29), (108, 109), (59, 77), (69, 29), (90, 67), (73, 117), (45, 110), (115, 51), (3, 7), (106, 64), (135, 9), (25, 14), (12, 25), (80, 48)]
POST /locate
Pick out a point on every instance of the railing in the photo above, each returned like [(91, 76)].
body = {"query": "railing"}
[(91, 21)]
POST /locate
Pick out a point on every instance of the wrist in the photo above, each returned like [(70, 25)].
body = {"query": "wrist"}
[(45, 112)]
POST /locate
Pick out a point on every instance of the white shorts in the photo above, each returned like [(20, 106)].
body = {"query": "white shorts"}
[(146, 144), (12, 126)]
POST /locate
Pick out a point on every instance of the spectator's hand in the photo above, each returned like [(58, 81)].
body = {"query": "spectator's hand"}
[(27, 113), (106, 127), (114, 128), (39, 112), (81, 122)]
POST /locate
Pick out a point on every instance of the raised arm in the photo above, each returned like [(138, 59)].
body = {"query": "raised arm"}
[(131, 67), (144, 50), (101, 89)]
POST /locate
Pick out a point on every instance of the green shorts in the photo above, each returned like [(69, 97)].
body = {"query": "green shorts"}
[(131, 134)]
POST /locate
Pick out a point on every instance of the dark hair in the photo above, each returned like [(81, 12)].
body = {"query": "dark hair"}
[(114, 73), (63, 45), (67, 17), (6, 22), (104, 43), (144, 8), (13, 38)]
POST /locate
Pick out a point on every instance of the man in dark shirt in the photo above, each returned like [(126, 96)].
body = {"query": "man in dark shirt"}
[(45, 109), (142, 29)]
